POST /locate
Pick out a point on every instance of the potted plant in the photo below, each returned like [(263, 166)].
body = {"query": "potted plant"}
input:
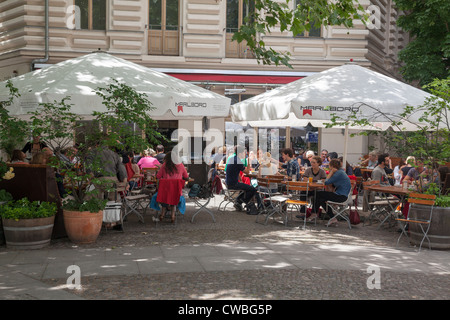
[(28, 224), (82, 168)]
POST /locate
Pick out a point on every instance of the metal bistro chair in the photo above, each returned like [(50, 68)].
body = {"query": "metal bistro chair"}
[(202, 202), (378, 206), (299, 190), (266, 195), (421, 199), (340, 209), (230, 195), (132, 203), (149, 180), (273, 202)]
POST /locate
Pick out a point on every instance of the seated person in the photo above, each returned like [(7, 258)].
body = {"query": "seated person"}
[(171, 169), (410, 162), (379, 173), (371, 161), (268, 168), (324, 157), (398, 173), (147, 161), (18, 157), (132, 170), (416, 172), (315, 171), (234, 167), (291, 164), (341, 182), (306, 160), (348, 167)]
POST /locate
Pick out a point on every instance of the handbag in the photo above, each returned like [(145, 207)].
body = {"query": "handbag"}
[(354, 217)]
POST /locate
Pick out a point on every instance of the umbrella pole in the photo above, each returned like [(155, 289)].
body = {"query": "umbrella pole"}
[(344, 156), (288, 137)]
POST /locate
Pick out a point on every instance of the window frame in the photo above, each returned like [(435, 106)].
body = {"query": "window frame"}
[(90, 10), (306, 34)]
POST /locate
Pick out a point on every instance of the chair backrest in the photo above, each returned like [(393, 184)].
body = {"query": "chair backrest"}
[(275, 178), (367, 184), (150, 173), (297, 186), (420, 198), (263, 182)]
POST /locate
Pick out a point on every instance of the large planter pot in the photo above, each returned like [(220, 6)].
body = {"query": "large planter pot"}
[(439, 232), (82, 227), (28, 233)]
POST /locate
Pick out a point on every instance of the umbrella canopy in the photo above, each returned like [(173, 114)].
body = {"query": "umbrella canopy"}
[(79, 77), (341, 91)]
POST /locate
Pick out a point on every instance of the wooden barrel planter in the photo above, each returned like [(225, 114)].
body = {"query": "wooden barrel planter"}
[(28, 233), (439, 232), (83, 227)]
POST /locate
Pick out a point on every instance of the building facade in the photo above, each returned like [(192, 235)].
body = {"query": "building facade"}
[(189, 39)]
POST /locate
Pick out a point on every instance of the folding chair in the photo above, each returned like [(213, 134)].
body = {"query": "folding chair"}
[(378, 205), (424, 224), (230, 195), (274, 201), (202, 203), (300, 191), (340, 209), (133, 203), (149, 180)]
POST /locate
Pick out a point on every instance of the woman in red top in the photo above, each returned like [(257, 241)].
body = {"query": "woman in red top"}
[(170, 170)]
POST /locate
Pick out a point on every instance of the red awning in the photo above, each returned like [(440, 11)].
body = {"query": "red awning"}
[(231, 78)]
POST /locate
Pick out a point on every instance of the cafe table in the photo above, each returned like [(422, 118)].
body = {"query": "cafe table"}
[(399, 191)]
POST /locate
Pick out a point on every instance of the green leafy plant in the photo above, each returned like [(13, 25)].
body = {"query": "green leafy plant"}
[(443, 201), (13, 131), (26, 209), (5, 196), (264, 16), (113, 129)]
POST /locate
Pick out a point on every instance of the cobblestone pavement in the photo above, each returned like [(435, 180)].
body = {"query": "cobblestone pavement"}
[(233, 228)]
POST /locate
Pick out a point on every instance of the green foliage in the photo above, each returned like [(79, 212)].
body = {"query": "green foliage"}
[(113, 129), (269, 14), (126, 106), (427, 56), (91, 205), (431, 141), (443, 201), (26, 209), (55, 123), (13, 131), (5, 195)]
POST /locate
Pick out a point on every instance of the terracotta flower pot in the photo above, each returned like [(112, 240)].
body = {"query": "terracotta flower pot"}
[(82, 227)]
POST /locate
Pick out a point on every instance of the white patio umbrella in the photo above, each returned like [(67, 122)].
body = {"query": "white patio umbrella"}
[(341, 91), (79, 77)]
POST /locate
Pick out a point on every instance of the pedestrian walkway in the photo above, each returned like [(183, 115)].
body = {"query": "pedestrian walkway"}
[(218, 252)]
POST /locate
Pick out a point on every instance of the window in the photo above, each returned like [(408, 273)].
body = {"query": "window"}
[(163, 27), (237, 11), (315, 29), (92, 14)]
